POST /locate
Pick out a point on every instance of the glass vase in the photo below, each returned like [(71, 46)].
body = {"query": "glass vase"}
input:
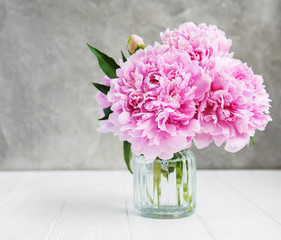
[(165, 188)]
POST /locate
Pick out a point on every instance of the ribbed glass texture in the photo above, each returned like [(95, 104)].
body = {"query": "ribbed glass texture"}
[(165, 188)]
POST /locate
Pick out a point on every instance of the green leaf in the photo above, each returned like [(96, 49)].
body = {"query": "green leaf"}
[(103, 88), (106, 111), (107, 64), (252, 140), (127, 151), (123, 57)]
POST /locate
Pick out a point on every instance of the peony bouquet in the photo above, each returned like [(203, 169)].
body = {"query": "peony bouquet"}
[(187, 88)]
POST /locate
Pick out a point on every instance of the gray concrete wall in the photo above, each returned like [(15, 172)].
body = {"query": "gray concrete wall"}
[(48, 112)]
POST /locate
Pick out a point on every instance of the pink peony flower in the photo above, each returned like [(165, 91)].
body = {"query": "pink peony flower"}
[(236, 105), (154, 101), (200, 42), (190, 88), (105, 125)]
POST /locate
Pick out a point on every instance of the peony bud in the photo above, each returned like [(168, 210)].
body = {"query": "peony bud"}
[(135, 43)]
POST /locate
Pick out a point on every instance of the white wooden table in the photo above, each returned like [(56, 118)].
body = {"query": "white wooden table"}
[(98, 205)]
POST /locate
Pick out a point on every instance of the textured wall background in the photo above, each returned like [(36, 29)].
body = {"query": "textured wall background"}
[(48, 110)]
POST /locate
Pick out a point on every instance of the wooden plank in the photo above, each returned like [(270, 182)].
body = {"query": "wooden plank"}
[(98, 205), (10, 183), (228, 214), (261, 187), (32, 210), (95, 209), (165, 229)]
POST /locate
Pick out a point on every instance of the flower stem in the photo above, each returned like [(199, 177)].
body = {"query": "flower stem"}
[(179, 178), (157, 180), (185, 185)]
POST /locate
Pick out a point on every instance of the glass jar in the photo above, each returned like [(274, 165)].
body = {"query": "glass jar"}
[(165, 188)]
